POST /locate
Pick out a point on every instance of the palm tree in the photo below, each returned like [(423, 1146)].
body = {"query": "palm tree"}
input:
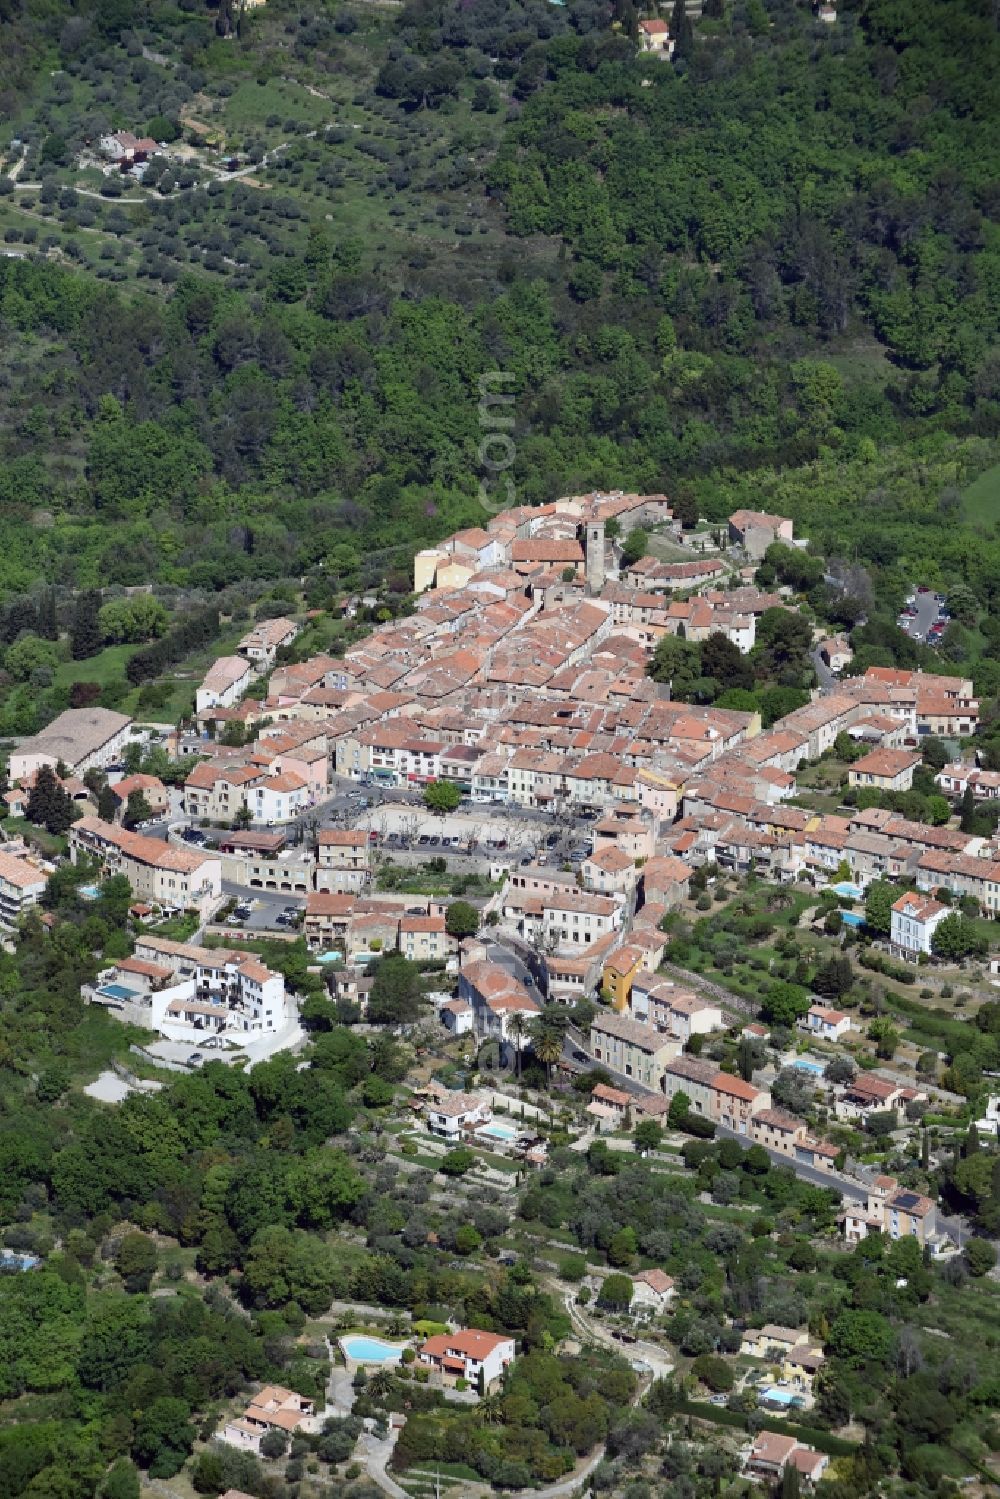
[(379, 1384), (547, 1044), (490, 1410), (518, 1028)]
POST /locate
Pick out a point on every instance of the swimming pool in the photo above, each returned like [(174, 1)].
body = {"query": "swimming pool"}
[(847, 890), (776, 1396), (852, 918), (91, 892), (803, 1064), (497, 1131), (119, 992), (364, 1350)]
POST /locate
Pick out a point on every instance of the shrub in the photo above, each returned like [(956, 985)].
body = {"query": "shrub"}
[(713, 1372)]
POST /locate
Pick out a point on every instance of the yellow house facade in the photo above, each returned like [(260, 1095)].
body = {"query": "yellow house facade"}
[(620, 970)]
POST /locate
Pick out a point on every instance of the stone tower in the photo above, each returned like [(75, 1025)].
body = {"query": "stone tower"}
[(594, 551)]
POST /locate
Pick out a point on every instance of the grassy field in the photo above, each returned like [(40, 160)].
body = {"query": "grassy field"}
[(981, 500), (253, 104), (107, 667)]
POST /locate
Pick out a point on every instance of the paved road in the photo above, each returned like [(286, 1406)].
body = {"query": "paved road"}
[(529, 972), (824, 675)]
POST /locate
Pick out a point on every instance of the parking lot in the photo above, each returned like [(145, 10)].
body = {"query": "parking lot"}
[(481, 833), (924, 616), (262, 910)]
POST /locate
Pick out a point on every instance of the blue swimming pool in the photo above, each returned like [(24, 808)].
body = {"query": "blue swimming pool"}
[(119, 992), (847, 890), (803, 1064), (365, 1350), (776, 1396), (90, 892), (496, 1131), (852, 918)]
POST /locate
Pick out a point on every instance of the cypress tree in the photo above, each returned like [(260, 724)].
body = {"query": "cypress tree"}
[(791, 1483), (968, 811), (48, 624), (85, 631), (681, 30)]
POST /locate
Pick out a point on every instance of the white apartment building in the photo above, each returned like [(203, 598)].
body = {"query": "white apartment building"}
[(186, 992), (224, 684), (265, 640), (575, 918), (158, 872), (21, 886), (82, 738)]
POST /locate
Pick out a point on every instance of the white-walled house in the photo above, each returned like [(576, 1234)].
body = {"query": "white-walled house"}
[(914, 920), (224, 684), (266, 639), (450, 1117), (828, 1025), (274, 1409), (652, 1292), (471, 1354)]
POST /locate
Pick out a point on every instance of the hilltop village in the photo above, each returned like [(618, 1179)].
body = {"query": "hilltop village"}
[(603, 905)]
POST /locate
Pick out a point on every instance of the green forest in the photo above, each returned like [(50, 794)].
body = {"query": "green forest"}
[(768, 269)]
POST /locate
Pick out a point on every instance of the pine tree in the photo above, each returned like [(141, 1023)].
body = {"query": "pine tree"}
[(968, 811), (41, 797), (49, 806), (85, 630), (107, 805), (713, 10)]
